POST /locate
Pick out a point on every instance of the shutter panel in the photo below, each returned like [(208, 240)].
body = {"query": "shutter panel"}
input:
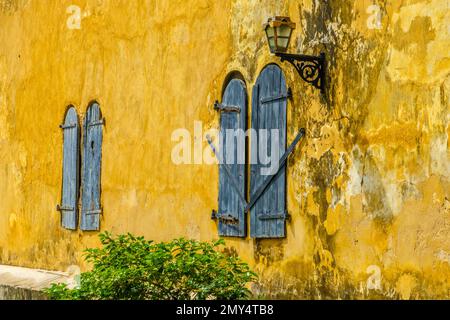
[(269, 101), (231, 214), (91, 205), (70, 183)]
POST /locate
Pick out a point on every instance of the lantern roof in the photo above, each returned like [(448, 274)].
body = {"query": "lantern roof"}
[(277, 21)]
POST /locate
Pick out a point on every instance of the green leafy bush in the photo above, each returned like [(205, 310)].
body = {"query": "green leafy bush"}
[(129, 267)]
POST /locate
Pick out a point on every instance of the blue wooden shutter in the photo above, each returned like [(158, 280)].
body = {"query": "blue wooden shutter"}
[(70, 183), (231, 214), (269, 100), (92, 157)]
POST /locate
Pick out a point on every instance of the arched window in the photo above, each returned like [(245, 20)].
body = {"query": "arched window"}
[(269, 102), (232, 180), (92, 157), (70, 181)]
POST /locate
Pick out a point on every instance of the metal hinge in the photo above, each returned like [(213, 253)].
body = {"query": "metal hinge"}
[(273, 216), (97, 123), (68, 126), (226, 218), (226, 108), (283, 96), (64, 208), (93, 212)]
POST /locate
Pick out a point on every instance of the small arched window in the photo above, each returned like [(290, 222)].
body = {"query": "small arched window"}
[(92, 157), (70, 181), (232, 180)]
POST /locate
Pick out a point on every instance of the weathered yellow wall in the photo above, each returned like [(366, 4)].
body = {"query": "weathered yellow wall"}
[(368, 189)]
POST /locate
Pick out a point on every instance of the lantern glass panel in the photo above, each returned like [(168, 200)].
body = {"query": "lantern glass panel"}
[(272, 44), (284, 31), (284, 34), (270, 31)]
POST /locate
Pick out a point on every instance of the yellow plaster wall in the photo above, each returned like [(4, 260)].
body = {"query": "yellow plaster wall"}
[(368, 189)]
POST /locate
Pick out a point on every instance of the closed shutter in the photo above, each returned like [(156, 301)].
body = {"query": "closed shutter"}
[(269, 101), (232, 203), (92, 157), (70, 181)]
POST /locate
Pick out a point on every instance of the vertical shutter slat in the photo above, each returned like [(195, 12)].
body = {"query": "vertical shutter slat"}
[(70, 184), (268, 213), (230, 203), (91, 204)]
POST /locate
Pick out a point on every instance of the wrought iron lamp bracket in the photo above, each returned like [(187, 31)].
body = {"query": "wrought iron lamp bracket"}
[(310, 68)]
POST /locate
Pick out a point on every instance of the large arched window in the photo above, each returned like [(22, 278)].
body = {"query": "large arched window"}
[(269, 102)]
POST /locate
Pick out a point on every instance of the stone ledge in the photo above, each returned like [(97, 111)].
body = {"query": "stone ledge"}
[(17, 283)]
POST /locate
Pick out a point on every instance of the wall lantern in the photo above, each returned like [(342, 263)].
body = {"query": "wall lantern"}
[(310, 68)]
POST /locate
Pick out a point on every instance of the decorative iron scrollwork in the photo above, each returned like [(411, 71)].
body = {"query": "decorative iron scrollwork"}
[(310, 68)]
